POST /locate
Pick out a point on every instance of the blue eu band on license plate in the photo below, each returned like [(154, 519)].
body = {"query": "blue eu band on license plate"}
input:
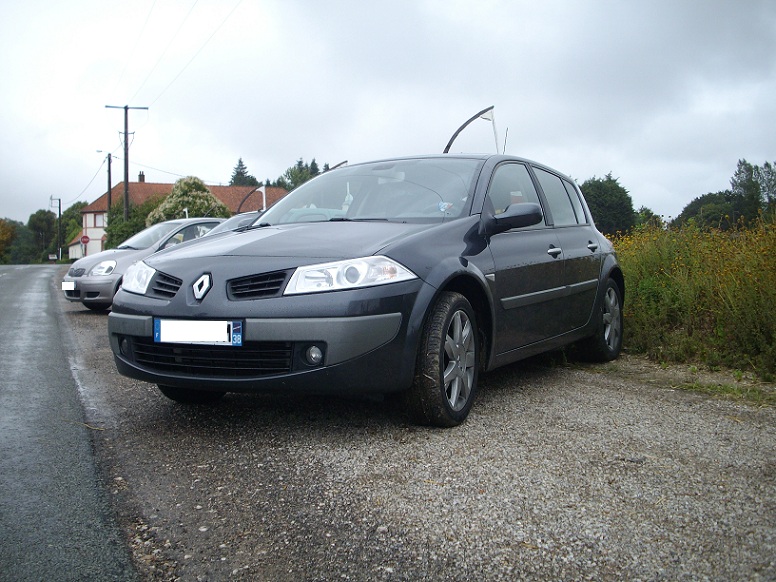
[(206, 332)]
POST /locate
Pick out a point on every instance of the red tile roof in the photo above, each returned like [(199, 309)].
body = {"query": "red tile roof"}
[(236, 198)]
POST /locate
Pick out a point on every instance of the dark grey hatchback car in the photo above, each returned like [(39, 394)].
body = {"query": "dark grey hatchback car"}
[(409, 276)]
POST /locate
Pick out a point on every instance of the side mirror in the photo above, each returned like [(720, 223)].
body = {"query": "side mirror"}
[(515, 216)]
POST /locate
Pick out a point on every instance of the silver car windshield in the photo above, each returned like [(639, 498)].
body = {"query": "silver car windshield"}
[(412, 190), (150, 236)]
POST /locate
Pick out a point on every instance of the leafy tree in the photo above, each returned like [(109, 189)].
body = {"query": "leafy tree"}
[(43, 225), (72, 222), (766, 178), (118, 230), (610, 204), (712, 210), (752, 192), (7, 234), (645, 217), (241, 177), (746, 192), (298, 174), (189, 197), (24, 247)]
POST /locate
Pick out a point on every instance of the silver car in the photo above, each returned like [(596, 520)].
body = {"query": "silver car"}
[(94, 280)]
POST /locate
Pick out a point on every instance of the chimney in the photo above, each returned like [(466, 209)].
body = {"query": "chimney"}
[(141, 177)]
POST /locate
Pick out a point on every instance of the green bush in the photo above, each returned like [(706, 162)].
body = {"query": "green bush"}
[(702, 295)]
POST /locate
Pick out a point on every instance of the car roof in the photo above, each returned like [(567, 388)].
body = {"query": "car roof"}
[(492, 158), (193, 220)]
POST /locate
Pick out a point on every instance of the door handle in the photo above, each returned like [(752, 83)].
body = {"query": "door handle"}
[(592, 246), (554, 252)]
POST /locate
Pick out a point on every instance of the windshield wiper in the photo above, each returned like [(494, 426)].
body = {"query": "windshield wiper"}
[(260, 225), (344, 219)]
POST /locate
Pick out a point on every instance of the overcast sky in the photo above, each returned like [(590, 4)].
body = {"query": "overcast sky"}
[(667, 95)]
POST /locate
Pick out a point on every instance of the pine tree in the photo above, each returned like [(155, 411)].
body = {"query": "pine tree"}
[(241, 177)]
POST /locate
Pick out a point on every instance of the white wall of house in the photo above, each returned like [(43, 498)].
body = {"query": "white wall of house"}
[(94, 227)]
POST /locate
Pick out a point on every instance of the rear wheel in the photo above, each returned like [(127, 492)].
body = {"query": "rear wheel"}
[(448, 359), (189, 396), (605, 344)]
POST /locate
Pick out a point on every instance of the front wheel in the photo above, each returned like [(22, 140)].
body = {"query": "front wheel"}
[(605, 344), (448, 360), (189, 396)]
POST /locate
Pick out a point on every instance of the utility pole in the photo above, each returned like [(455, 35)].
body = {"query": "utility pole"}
[(110, 185), (59, 224), (110, 182), (126, 109)]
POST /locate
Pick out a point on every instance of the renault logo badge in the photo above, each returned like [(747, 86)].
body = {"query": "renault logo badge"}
[(201, 286)]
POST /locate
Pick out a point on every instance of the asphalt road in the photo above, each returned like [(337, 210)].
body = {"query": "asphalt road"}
[(562, 471), (55, 518)]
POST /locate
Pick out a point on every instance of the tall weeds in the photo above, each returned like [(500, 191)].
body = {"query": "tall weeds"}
[(702, 295)]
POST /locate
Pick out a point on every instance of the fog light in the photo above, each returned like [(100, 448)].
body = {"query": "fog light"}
[(314, 355), (124, 347)]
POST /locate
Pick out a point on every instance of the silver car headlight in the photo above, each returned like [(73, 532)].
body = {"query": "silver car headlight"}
[(349, 274), (102, 268), (137, 278)]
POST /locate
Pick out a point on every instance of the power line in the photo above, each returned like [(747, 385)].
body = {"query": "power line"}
[(69, 202), (171, 173), (164, 52), (134, 48), (198, 51)]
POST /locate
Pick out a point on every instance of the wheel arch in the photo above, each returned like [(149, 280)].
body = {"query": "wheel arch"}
[(472, 289), (617, 276)]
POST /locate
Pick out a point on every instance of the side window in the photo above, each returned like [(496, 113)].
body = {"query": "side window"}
[(557, 197), (574, 195), (189, 233), (511, 184)]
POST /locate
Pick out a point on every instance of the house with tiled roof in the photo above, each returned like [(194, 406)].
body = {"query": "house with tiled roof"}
[(95, 216)]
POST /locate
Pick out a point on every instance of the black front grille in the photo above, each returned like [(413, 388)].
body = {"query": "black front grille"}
[(250, 360), (76, 272), (164, 285), (257, 286)]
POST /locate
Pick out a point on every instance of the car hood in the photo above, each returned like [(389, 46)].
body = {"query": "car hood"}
[(123, 257), (319, 241)]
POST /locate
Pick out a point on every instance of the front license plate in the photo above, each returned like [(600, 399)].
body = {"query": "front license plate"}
[(68, 285), (179, 331)]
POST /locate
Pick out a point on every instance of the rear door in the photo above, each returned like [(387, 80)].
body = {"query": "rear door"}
[(581, 253)]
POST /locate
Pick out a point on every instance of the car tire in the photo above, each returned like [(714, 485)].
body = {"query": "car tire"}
[(189, 396), (98, 306), (447, 364), (606, 343)]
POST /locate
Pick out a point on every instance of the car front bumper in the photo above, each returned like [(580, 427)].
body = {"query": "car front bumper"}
[(371, 351), (90, 289)]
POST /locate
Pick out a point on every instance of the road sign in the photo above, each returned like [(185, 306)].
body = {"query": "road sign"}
[(84, 240)]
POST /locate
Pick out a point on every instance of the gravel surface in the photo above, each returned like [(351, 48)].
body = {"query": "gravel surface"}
[(564, 472)]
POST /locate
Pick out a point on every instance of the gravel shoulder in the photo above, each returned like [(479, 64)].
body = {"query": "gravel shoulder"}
[(570, 472)]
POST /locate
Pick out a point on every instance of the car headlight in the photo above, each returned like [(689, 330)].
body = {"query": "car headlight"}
[(103, 268), (137, 278), (349, 274)]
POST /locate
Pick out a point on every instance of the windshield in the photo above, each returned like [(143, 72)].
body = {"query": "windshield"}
[(150, 236), (414, 190)]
